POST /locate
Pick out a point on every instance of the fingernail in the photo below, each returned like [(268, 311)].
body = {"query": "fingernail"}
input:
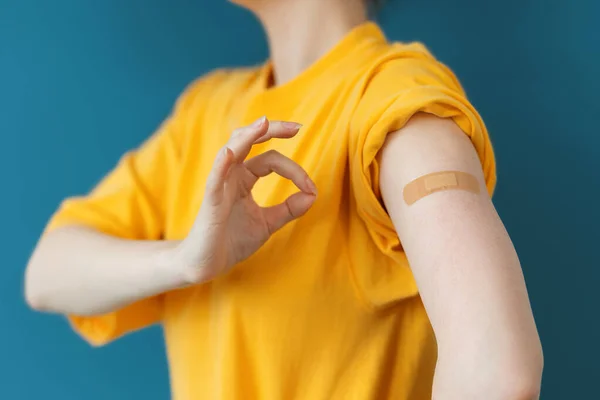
[(259, 122), (224, 152), (311, 186), (291, 125)]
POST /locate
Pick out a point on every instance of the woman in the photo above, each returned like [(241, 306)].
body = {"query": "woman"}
[(268, 289)]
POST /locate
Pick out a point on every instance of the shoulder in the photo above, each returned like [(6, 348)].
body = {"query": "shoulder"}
[(412, 103), (402, 79), (204, 98), (407, 66), (218, 82)]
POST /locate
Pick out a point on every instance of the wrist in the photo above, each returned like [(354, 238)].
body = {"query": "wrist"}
[(182, 260), (170, 262)]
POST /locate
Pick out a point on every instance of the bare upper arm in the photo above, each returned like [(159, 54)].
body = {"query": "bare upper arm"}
[(462, 258)]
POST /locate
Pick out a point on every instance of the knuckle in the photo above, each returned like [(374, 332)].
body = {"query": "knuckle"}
[(221, 155), (237, 132), (271, 153), (290, 209)]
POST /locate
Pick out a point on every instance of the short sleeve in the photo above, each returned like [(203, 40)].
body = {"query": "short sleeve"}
[(405, 84), (129, 203)]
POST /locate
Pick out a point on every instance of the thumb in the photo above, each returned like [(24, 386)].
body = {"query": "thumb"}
[(293, 207)]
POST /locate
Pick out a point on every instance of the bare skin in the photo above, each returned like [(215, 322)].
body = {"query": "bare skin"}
[(230, 227), (466, 267), (489, 347)]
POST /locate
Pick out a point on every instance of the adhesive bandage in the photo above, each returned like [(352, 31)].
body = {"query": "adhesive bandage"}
[(438, 181)]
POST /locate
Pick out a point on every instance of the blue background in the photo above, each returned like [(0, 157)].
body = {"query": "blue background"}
[(81, 82)]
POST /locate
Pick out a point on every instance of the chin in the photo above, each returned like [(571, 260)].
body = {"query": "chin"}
[(250, 4), (244, 3)]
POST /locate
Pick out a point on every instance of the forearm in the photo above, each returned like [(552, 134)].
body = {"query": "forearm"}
[(75, 270)]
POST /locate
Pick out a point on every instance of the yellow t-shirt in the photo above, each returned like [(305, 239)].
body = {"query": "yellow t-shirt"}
[(328, 307)]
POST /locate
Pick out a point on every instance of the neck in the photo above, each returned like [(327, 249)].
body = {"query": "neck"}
[(302, 31)]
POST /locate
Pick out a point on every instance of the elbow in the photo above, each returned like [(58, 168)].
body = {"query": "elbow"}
[(36, 296), (528, 385), (47, 284), (522, 378), (38, 289), (522, 388), (36, 302), (511, 374)]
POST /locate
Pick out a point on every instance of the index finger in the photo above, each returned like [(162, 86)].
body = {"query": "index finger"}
[(243, 139), (273, 161), (280, 130)]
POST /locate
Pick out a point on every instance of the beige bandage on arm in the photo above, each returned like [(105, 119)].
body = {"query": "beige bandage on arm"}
[(438, 181)]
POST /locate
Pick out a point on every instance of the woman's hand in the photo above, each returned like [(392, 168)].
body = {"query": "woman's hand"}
[(230, 226)]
